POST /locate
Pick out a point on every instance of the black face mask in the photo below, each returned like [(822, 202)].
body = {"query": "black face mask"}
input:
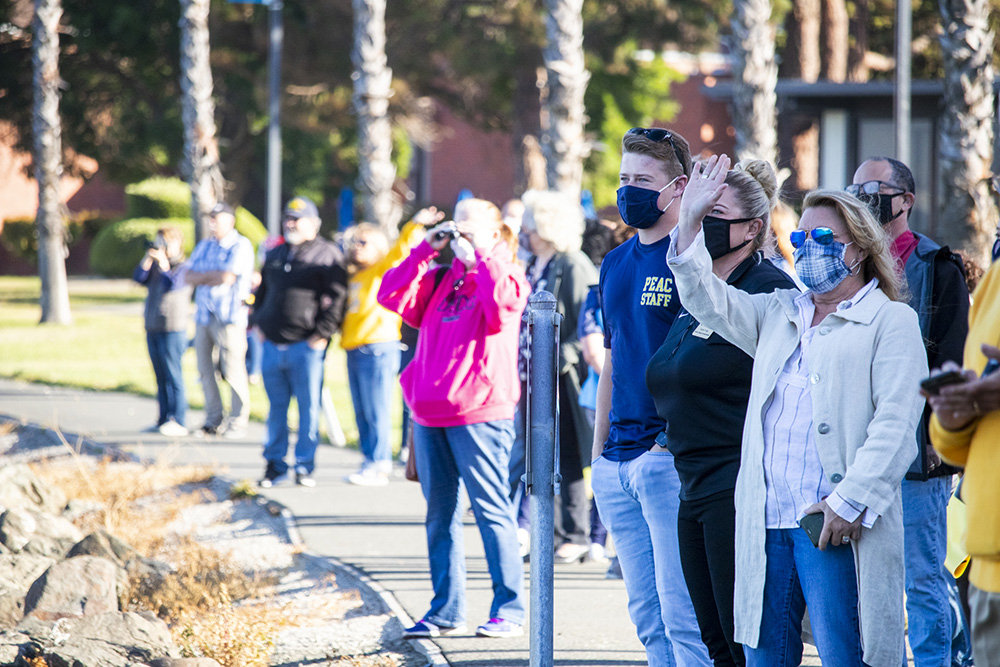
[(881, 206), (717, 235)]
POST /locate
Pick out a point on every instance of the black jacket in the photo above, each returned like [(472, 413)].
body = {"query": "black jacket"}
[(302, 292), (700, 383)]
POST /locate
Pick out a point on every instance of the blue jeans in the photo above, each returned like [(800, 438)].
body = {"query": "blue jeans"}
[(254, 353), (476, 454), (799, 574), (638, 502), (292, 370), (166, 348), (931, 619), (371, 372)]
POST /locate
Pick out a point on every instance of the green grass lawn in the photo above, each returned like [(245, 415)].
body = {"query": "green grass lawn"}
[(105, 347)]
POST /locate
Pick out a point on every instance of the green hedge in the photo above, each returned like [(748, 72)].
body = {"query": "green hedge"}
[(160, 197), (20, 235), (118, 248)]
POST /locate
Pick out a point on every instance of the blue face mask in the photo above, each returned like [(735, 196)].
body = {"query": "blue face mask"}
[(637, 206), (822, 267)]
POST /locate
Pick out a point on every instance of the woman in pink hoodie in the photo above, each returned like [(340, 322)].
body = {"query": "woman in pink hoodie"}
[(462, 387)]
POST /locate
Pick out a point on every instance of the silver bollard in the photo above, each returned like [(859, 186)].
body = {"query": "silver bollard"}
[(541, 454)]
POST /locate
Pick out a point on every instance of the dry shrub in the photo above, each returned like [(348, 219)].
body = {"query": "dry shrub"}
[(235, 636), (117, 488), (380, 660), (200, 574)]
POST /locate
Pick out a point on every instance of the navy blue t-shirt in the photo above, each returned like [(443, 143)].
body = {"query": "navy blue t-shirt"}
[(639, 303)]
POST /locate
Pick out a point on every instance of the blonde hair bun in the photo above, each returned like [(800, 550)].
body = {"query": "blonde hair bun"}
[(762, 172)]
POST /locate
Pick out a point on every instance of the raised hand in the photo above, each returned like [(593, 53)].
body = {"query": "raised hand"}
[(703, 190)]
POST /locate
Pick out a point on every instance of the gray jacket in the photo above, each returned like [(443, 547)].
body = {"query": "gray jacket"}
[(169, 299)]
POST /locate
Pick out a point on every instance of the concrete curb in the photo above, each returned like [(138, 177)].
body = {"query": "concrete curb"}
[(431, 651)]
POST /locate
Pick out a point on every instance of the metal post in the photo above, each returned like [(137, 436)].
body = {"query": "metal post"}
[(274, 117), (541, 476), (901, 106)]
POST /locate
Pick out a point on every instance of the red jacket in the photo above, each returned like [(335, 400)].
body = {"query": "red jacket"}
[(465, 367)]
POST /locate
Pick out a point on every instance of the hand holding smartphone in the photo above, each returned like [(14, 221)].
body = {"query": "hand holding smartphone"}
[(934, 383), (813, 525)]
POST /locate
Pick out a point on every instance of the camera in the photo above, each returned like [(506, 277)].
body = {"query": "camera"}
[(156, 244), (443, 234)]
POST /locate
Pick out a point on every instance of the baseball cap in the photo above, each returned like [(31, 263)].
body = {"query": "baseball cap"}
[(222, 207), (300, 207)]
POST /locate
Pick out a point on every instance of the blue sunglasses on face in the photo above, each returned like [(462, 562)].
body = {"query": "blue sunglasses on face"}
[(821, 235)]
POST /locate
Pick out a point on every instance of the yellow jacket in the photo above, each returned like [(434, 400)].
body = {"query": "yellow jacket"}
[(365, 321), (977, 447)]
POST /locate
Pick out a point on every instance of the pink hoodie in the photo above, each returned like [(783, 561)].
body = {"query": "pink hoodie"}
[(465, 367)]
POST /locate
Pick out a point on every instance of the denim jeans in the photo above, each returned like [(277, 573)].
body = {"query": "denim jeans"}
[(292, 370), (799, 574), (166, 348), (371, 372), (476, 454), (638, 502), (931, 619)]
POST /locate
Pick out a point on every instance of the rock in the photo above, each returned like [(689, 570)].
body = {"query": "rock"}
[(37, 532), (17, 572), (184, 662), (20, 487), (104, 545), (114, 639), (11, 643), (81, 586)]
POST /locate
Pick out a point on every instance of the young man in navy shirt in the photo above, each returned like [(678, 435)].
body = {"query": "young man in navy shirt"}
[(634, 479)]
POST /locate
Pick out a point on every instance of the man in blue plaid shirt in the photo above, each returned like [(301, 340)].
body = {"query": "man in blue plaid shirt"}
[(220, 268)]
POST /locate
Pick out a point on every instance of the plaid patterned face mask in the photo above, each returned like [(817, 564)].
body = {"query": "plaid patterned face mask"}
[(821, 266)]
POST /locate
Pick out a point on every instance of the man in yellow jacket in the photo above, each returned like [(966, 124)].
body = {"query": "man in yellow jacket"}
[(965, 430)]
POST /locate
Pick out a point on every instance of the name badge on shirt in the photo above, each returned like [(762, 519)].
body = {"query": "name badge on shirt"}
[(702, 331)]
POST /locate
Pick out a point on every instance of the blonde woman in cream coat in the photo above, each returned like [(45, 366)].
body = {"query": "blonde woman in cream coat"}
[(851, 354)]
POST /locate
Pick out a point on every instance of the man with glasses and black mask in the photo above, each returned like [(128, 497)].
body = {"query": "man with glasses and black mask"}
[(938, 293), (634, 480)]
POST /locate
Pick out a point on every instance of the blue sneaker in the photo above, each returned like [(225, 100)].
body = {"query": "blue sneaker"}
[(425, 628), (498, 627)]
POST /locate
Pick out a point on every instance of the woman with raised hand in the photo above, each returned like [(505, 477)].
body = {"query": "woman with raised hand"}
[(829, 430), (700, 383), (462, 388)]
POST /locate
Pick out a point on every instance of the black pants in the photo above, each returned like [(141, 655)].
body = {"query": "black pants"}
[(706, 534), (572, 511)]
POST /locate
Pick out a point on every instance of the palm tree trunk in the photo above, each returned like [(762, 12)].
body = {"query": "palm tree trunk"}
[(563, 142), (201, 150), (968, 214), (372, 88), (756, 75), (48, 164)]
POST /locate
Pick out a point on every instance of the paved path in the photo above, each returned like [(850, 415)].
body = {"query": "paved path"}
[(379, 530)]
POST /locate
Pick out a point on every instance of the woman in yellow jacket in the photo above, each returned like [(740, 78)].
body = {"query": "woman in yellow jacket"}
[(370, 335), (965, 430)]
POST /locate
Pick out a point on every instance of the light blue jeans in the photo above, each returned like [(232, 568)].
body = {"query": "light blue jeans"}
[(932, 621), (371, 372), (799, 574), (638, 502), (478, 455), (292, 370)]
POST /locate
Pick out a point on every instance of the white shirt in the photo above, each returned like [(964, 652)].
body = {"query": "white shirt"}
[(793, 472)]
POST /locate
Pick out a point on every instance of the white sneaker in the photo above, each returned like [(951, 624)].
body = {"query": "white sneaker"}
[(597, 553), (368, 475), (524, 540), (172, 429)]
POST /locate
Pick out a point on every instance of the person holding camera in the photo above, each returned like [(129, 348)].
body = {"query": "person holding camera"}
[(828, 434), (462, 388), (166, 314)]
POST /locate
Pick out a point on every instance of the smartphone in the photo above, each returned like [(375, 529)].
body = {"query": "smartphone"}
[(933, 384), (991, 366), (813, 525)]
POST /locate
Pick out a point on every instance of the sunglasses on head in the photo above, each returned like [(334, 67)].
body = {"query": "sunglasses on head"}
[(821, 235), (658, 135), (870, 188)]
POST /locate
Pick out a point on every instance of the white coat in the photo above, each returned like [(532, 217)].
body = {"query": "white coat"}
[(865, 366)]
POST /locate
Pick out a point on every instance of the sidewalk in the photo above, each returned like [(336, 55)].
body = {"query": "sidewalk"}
[(378, 530)]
